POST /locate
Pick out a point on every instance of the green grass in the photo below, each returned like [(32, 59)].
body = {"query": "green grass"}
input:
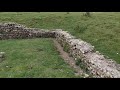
[(102, 29), (33, 58)]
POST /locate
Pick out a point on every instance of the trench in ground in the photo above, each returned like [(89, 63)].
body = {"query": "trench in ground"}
[(34, 58)]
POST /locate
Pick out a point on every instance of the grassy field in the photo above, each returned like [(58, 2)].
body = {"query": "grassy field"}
[(102, 29), (36, 58)]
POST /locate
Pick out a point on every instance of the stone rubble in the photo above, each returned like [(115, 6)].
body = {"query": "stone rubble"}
[(17, 31), (96, 64)]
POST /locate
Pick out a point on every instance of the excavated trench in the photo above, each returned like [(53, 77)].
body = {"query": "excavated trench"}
[(70, 60)]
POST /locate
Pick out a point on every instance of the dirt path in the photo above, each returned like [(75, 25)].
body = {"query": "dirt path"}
[(69, 59)]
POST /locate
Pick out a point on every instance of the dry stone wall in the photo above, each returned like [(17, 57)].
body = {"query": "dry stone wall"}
[(17, 31), (90, 60)]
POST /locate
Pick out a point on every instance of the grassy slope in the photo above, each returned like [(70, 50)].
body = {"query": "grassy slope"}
[(32, 58), (101, 30)]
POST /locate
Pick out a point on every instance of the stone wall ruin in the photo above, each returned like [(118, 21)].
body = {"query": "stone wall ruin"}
[(17, 31), (94, 63)]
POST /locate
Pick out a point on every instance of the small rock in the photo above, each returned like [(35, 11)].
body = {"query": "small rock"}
[(2, 54), (97, 52), (7, 66), (86, 75)]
